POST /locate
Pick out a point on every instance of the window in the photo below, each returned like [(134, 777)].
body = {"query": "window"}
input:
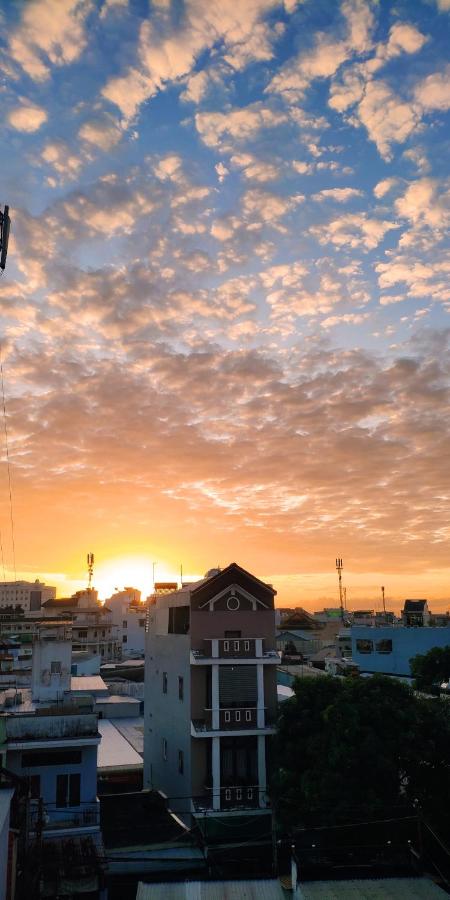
[(180, 762), (384, 646), (228, 794), (227, 715), (124, 624), (34, 782), (249, 793), (68, 790), (141, 623), (248, 715), (364, 646), (238, 793), (235, 645), (164, 682), (246, 645), (237, 715), (180, 688), (51, 758), (226, 646), (164, 749), (55, 668), (124, 639)]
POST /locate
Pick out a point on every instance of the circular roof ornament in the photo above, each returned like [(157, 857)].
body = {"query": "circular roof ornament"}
[(233, 603)]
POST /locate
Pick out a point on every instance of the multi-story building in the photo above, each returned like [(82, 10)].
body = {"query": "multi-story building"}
[(93, 629), (210, 696), (129, 616), (388, 649), (49, 739), (30, 595)]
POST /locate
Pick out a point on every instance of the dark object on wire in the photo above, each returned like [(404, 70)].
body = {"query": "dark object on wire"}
[(5, 224)]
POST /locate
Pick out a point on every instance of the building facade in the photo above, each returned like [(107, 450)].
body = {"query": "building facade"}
[(388, 650), (93, 629), (129, 616), (30, 595), (210, 695)]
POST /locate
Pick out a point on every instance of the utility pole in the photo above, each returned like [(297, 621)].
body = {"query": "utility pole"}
[(90, 565), (339, 567), (384, 602)]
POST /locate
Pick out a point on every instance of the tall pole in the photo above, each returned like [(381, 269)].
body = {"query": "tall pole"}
[(384, 603), (339, 567), (153, 575)]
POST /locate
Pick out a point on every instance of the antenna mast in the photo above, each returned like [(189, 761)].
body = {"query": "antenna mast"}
[(90, 565), (384, 603), (339, 567), (5, 224)]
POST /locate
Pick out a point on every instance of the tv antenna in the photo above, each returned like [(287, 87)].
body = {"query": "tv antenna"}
[(5, 225), (339, 567), (90, 565), (382, 597)]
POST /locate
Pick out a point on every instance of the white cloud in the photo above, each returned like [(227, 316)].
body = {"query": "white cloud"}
[(60, 157), (340, 195), (383, 187), (241, 124), (254, 169), (425, 202), (345, 319), (353, 230), (434, 91), (196, 87), (28, 117), (403, 38), (387, 118), (266, 206), (101, 131), (50, 32), (222, 171)]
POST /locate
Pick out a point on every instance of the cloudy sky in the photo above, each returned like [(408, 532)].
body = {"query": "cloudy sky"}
[(225, 312)]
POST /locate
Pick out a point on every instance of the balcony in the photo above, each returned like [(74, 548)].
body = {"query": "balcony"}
[(231, 650), (233, 719), (56, 820)]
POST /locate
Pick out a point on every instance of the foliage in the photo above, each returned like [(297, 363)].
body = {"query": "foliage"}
[(352, 749), (431, 669)]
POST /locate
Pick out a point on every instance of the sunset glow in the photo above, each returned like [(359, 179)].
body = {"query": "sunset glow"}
[(225, 312)]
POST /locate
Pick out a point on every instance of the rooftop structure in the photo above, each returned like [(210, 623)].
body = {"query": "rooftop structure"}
[(29, 595)]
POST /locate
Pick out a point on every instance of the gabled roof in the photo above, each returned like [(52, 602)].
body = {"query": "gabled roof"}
[(235, 570)]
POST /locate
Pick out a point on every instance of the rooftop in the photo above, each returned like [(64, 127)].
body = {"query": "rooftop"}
[(115, 753), (372, 889), (261, 889)]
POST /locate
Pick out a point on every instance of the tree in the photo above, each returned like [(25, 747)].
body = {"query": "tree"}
[(352, 749), (430, 669)]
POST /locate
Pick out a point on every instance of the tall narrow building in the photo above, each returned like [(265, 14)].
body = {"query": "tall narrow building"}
[(210, 697)]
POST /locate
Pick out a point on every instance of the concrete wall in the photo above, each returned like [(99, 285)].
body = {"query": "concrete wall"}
[(167, 717), (87, 769), (45, 684), (406, 643), (6, 796), (259, 623)]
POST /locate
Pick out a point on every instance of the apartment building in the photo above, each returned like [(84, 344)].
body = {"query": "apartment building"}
[(129, 615), (30, 595), (210, 696), (93, 629)]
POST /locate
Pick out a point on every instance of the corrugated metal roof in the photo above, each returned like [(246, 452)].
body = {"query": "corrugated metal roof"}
[(262, 889), (372, 889)]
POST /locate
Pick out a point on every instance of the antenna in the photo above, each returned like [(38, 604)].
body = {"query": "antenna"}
[(384, 602), (90, 565), (345, 598), (5, 224), (339, 567), (181, 574)]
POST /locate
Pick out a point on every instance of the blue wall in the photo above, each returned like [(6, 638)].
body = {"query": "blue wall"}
[(406, 643)]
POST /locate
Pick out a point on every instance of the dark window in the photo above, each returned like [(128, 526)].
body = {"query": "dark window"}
[(181, 762), (35, 600), (164, 748), (55, 668), (364, 646), (141, 623), (384, 646), (35, 786), (68, 790), (124, 639), (51, 758), (164, 682), (180, 688), (178, 620), (124, 624)]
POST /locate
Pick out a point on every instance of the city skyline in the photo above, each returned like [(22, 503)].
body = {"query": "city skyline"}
[(224, 315)]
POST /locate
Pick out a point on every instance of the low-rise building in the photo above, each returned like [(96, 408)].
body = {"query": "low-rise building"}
[(129, 616), (93, 629), (389, 649), (415, 613)]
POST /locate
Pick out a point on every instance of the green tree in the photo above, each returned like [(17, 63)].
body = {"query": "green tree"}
[(359, 748), (431, 669)]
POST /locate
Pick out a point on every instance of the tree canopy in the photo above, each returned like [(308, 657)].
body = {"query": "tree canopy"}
[(355, 748), (431, 669)]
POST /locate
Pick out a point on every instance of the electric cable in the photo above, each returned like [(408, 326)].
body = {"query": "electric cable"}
[(8, 464)]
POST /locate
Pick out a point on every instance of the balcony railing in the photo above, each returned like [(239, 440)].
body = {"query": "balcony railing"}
[(234, 719), (50, 817), (243, 796), (234, 649)]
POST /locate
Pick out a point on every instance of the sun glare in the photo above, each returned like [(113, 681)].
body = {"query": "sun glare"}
[(124, 571)]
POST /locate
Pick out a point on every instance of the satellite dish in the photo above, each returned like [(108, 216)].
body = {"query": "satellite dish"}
[(5, 224)]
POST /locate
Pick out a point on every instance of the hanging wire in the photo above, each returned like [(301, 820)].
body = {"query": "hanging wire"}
[(8, 467)]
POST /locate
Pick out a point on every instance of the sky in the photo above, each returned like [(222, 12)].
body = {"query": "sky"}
[(225, 310)]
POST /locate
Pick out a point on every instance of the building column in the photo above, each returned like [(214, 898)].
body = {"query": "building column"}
[(262, 775), (260, 712), (216, 772), (215, 696)]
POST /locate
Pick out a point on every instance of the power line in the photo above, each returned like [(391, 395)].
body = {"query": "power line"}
[(8, 466)]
